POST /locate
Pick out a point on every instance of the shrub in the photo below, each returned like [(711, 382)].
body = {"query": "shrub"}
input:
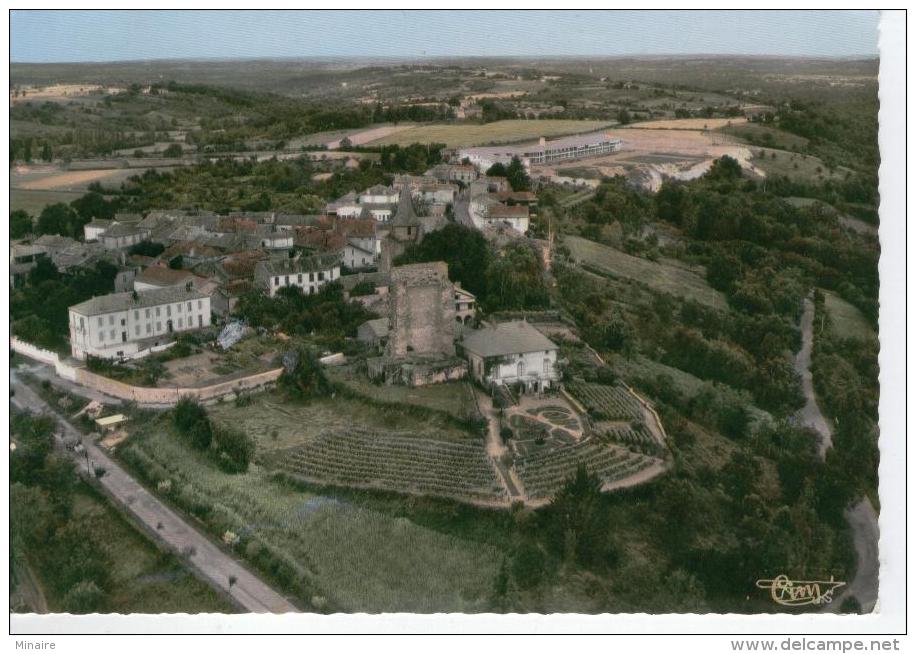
[(84, 597), (234, 449)]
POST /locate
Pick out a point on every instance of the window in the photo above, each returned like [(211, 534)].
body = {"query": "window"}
[(101, 337), (123, 321), (179, 323), (157, 312), (300, 278), (81, 322), (200, 305), (546, 366), (311, 277), (101, 322), (168, 310), (136, 330), (149, 328), (110, 320), (179, 307), (112, 334), (286, 280), (189, 306), (136, 315), (147, 313), (158, 326), (276, 281), (321, 276)]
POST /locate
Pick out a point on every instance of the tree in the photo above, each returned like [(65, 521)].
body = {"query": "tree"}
[(303, 375), (575, 524), (192, 421), (517, 175), (464, 249), (623, 117), (234, 448), (60, 219), (20, 223), (173, 150)]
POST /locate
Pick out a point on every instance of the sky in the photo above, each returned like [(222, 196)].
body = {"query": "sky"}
[(69, 36)]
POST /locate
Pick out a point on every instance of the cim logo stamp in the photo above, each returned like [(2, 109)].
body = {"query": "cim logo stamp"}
[(790, 592)]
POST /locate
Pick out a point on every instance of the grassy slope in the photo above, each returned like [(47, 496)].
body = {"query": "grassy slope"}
[(846, 321), (666, 276), (358, 558)]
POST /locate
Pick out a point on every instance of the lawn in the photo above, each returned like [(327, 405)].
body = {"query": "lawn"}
[(846, 321), (340, 556), (665, 276), (502, 131)]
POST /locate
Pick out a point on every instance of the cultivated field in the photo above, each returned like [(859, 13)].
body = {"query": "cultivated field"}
[(348, 557), (32, 202), (666, 276), (544, 473), (606, 402), (370, 135), (390, 461), (65, 180), (502, 131), (846, 321), (691, 123)]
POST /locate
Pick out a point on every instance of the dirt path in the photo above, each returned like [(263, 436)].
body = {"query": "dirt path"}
[(862, 518), (496, 449), (214, 565), (810, 415)]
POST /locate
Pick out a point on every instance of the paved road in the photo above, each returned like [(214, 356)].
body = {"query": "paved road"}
[(248, 591), (862, 518), (46, 372)]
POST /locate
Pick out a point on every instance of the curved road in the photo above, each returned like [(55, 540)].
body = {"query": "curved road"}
[(862, 517), (210, 562)]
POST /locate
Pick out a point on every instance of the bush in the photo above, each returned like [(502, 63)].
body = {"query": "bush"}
[(84, 597), (235, 449), (528, 565)]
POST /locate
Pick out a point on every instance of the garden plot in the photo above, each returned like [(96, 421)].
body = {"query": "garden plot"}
[(393, 462), (606, 403)]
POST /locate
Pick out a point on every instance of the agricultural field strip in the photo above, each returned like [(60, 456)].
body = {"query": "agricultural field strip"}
[(397, 462), (545, 472), (615, 402), (664, 277)]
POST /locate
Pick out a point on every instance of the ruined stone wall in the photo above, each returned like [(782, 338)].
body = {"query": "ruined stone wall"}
[(421, 311)]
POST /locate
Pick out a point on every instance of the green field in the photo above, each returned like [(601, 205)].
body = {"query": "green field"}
[(275, 423), (502, 131), (340, 555), (455, 398), (665, 276), (846, 321), (801, 167), (32, 202)]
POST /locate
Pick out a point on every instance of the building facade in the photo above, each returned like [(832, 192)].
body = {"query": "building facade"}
[(308, 273), (511, 353), (128, 325)]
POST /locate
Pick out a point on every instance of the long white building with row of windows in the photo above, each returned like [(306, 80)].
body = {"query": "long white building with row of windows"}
[(544, 152), (129, 325)]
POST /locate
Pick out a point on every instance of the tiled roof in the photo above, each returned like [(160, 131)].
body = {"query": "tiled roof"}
[(516, 337)]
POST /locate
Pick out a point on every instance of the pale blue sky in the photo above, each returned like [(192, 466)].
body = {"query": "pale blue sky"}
[(56, 36)]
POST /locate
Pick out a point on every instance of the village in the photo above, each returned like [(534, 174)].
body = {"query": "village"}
[(426, 330)]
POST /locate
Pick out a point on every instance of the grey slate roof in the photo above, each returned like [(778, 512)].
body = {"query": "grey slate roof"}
[(516, 337), (271, 267), (405, 214), (124, 301)]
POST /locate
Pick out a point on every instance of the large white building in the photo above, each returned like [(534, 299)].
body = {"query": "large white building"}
[(511, 353), (308, 273), (543, 152), (129, 325)]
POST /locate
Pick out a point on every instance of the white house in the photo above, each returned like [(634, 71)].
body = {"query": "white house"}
[(511, 353), (132, 324), (119, 236), (94, 229), (308, 273), (378, 194), (355, 256), (465, 305)]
